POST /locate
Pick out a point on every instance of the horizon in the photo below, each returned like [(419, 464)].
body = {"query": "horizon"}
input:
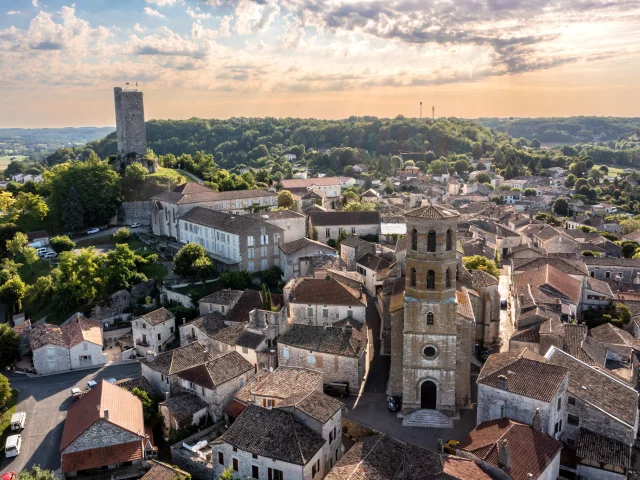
[(309, 59)]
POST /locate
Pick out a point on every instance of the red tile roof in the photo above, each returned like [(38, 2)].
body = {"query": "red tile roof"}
[(100, 457), (124, 410)]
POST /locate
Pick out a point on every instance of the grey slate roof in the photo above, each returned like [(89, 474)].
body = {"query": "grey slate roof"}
[(158, 316), (209, 324), (317, 405), (333, 339), (290, 247), (218, 370), (326, 219), (227, 222), (192, 192), (183, 406), (273, 434), (282, 383), (223, 297), (602, 449), (373, 262), (179, 359)]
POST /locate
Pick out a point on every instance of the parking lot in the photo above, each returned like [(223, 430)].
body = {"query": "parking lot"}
[(46, 401)]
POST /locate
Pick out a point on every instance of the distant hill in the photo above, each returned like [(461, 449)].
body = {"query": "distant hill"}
[(58, 135)]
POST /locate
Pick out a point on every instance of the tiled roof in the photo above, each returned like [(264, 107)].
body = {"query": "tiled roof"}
[(46, 334), (327, 219), (464, 306), (218, 370), (310, 182), (179, 359), (329, 291), (483, 279), (357, 242), (433, 212), (250, 340), (209, 324), (273, 434), (553, 282), (497, 361), (162, 471), (140, 383), (343, 275), (227, 222), (531, 451), (225, 297), (276, 215), (294, 246), (192, 192), (602, 449), (125, 411), (373, 262), (102, 456), (74, 331), (598, 388), (231, 334), (31, 236), (570, 266), (529, 378), (249, 300), (611, 261), (599, 286), (158, 316), (316, 404), (184, 406), (613, 335), (333, 339), (282, 383)]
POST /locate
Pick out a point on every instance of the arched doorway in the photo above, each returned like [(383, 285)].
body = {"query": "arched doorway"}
[(428, 395)]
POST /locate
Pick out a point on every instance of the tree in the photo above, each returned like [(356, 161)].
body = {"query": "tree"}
[(483, 178), (580, 182), (438, 167), (349, 196), (38, 294), (535, 143), (461, 166), (5, 392), (629, 225), (11, 294), (190, 261), (36, 473), (19, 247), (134, 175), (122, 235), (548, 218), (149, 405), (32, 205), (227, 474), (9, 346), (62, 243), (6, 201), (629, 247), (78, 278), (341, 236), (396, 163), (561, 207), (286, 200), (314, 234), (72, 215), (236, 280), (530, 192), (361, 206), (571, 180), (121, 268), (478, 262), (388, 187)]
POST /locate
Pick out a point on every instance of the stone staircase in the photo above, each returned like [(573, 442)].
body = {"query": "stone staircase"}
[(427, 419)]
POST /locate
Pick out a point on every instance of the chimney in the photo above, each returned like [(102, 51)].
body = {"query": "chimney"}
[(537, 422), (529, 476), (502, 415), (504, 456), (521, 298), (166, 396), (106, 414), (502, 382), (151, 356)]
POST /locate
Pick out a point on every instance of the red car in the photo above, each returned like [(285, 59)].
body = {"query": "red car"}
[(9, 476)]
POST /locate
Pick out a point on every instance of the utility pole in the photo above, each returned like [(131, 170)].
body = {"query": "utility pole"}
[(420, 109), (433, 112)]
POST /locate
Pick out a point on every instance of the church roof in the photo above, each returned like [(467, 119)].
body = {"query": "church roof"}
[(433, 212)]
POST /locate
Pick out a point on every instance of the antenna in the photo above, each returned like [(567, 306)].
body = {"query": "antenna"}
[(420, 109), (433, 112)]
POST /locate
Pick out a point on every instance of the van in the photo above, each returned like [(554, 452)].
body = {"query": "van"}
[(12, 447), (17, 421), (337, 389)]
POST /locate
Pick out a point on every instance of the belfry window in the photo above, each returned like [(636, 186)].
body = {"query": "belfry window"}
[(431, 280), (413, 277), (430, 318), (449, 240), (414, 239), (431, 241), (447, 279)]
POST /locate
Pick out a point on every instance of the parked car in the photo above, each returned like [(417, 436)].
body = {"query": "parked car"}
[(503, 303), (9, 476), (111, 380), (91, 384), (450, 447), (12, 447), (50, 255), (18, 420), (135, 225), (42, 250), (92, 231), (394, 404), (76, 393), (337, 389)]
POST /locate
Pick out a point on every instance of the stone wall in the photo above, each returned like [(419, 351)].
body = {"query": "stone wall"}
[(135, 212), (299, 313), (116, 334), (131, 132), (60, 360), (183, 300), (199, 468), (595, 420)]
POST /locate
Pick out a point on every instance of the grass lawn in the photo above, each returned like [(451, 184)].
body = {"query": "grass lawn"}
[(162, 180), (5, 421), (199, 291), (6, 160), (612, 170), (155, 271)]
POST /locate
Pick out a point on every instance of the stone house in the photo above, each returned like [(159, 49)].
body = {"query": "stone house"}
[(621, 271), (311, 199), (291, 254), (77, 343), (217, 380), (161, 370), (597, 402), (38, 239), (374, 271), (162, 471), (153, 331), (323, 301), (170, 206), (500, 236), (292, 224), (104, 430), (181, 411), (329, 225), (519, 385), (514, 448), (340, 351), (330, 186), (221, 301), (551, 239), (234, 242), (485, 299)]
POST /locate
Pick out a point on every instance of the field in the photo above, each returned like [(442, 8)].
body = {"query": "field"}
[(155, 183), (612, 170), (4, 161)]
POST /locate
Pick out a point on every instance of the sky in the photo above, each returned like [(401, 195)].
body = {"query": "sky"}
[(59, 60)]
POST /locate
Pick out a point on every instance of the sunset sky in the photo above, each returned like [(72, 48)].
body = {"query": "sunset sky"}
[(59, 61)]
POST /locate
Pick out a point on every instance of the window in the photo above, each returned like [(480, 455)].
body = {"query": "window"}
[(254, 456), (325, 312), (349, 313), (353, 230), (144, 325), (413, 277), (222, 307), (330, 438), (447, 279), (558, 427), (263, 251), (593, 274), (573, 420), (431, 241), (275, 474), (264, 239), (572, 400), (250, 241), (607, 274), (235, 464), (264, 264), (250, 252), (430, 318), (559, 403), (241, 382), (245, 350), (235, 449), (267, 403), (285, 353), (430, 351), (50, 351), (414, 239), (449, 240), (431, 280), (221, 458), (311, 360), (310, 312), (52, 364), (255, 471), (251, 266), (276, 238), (327, 233), (159, 336)]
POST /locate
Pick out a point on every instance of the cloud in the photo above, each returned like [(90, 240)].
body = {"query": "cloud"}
[(35, 3), (164, 3), (153, 13), (139, 28), (197, 15), (14, 12)]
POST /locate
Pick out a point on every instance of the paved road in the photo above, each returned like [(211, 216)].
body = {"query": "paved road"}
[(506, 322), (46, 401)]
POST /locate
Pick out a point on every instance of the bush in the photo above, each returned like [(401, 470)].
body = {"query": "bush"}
[(236, 280), (62, 243), (271, 277), (122, 235)]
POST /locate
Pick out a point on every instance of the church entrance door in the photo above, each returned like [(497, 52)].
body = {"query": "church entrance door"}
[(428, 395)]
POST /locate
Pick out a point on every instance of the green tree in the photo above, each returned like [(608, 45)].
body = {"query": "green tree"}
[(629, 225), (121, 268), (350, 196), (478, 262), (286, 200), (580, 182), (32, 205), (134, 176), (19, 248), (9, 346), (561, 207), (438, 167), (629, 247), (361, 206), (5, 391), (190, 261), (62, 243), (483, 178), (396, 163), (72, 215), (388, 187), (530, 192), (461, 166), (341, 236), (38, 294), (548, 218), (78, 278), (227, 474), (149, 405), (314, 234), (236, 280), (122, 235), (535, 143), (36, 473), (11, 295)]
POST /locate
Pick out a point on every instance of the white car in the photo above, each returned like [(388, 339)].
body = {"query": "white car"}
[(111, 380), (91, 384), (93, 230), (12, 447), (50, 254), (41, 251), (135, 225)]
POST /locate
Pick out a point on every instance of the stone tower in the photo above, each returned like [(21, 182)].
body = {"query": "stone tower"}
[(131, 132), (437, 335)]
